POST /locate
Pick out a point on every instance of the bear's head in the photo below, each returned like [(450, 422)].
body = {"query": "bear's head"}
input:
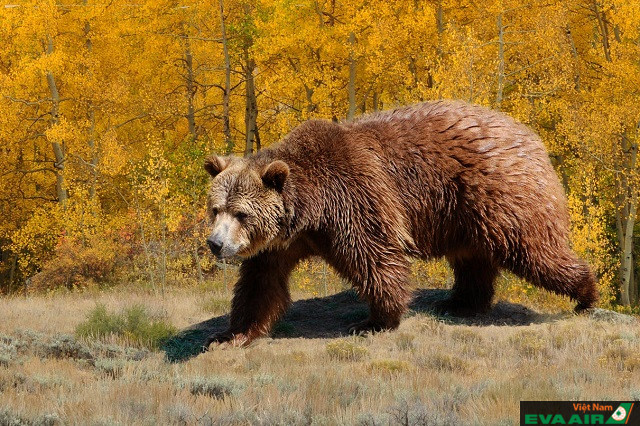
[(245, 205)]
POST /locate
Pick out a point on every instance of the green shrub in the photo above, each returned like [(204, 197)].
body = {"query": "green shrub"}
[(133, 323), (100, 323)]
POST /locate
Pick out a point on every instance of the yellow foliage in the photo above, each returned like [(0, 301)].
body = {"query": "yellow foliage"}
[(133, 95)]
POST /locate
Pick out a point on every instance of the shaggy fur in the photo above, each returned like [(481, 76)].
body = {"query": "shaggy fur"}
[(430, 180)]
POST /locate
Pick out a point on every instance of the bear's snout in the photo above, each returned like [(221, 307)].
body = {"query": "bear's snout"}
[(215, 245)]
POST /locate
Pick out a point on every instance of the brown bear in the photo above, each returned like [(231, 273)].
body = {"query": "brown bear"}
[(425, 181)]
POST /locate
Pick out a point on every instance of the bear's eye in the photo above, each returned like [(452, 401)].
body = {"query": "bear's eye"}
[(241, 216), (214, 211)]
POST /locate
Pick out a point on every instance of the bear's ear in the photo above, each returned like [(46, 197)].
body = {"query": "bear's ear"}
[(274, 175), (214, 165)]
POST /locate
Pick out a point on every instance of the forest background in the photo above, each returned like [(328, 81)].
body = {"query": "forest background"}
[(108, 109)]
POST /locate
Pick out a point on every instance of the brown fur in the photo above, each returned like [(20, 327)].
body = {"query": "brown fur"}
[(431, 180)]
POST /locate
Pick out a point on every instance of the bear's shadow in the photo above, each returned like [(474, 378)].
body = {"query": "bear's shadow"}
[(330, 316)]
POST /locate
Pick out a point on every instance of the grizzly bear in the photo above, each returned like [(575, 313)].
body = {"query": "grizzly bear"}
[(425, 181)]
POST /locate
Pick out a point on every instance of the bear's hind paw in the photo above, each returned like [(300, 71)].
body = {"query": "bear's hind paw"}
[(583, 308), (367, 327)]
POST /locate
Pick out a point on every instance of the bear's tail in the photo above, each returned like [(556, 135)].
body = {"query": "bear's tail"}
[(567, 275)]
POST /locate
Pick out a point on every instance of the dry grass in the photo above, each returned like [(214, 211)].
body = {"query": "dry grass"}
[(428, 372)]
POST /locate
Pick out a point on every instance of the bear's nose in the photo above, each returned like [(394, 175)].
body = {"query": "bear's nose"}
[(215, 245)]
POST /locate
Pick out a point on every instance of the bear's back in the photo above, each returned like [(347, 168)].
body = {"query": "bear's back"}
[(452, 123), (459, 160)]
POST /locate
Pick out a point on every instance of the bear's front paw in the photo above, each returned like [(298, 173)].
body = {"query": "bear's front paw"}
[(367, 326), (216, 338), (227, 337)]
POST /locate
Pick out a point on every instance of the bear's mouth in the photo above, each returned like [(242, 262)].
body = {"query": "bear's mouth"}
[(227, 254), (235, 259), (231, 253)]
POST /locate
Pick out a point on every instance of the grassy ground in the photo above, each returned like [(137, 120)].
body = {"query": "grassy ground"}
[(433, 370)]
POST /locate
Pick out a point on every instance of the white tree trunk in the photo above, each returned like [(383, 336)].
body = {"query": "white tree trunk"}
[(226, 97), (352, 77), (628, 222), (251, 105), (57, 146)]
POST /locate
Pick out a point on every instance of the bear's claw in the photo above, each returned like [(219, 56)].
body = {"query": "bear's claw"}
[(366, 327), (227, 337)]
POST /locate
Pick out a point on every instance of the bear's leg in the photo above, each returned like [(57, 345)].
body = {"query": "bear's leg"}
[(473, 286), (562, 273), (260, 296), (388, 295)]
